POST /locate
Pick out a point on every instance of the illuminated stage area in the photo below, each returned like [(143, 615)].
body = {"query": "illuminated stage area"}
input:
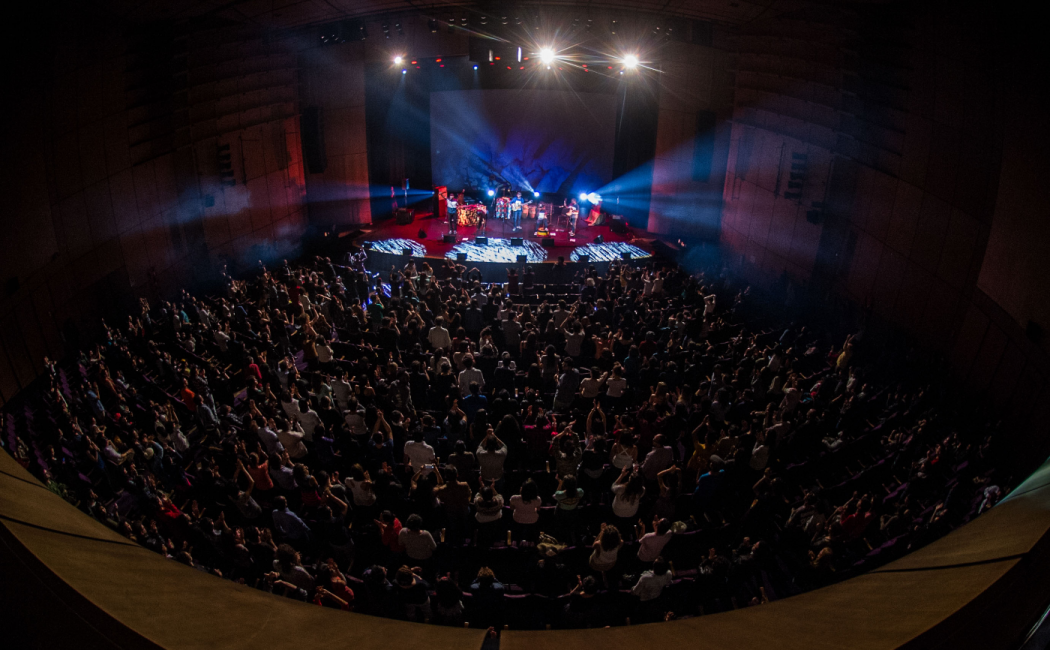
[(598, 243), (499, 251)]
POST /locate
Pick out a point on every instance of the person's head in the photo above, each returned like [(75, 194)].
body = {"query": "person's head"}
[(663, 526), (287, 557), (404, 577), (460, 447), (486, 576), (357, 472), (492, 444), (569, 485), (635, 488), (468, 361), (530, 491), (610, 537), (414, 523), (474, 388), (280, 503), (488, 495), (590, 586), (660, 566), (386, 517)]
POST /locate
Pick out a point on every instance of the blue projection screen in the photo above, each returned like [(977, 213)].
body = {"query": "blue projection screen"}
[(535, 140)]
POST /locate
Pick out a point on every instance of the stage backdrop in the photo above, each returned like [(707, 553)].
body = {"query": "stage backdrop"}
[(536, 140)]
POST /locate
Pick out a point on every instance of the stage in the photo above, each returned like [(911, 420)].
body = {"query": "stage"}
[(392, 238)]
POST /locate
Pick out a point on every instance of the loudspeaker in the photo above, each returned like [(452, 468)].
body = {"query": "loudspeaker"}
[(522, 259), (599, 240), (407, 252), (405, 216), (625, 257), (583, 259), (449, 238), (517, 241), (461, 257), (312, 126), (547, 242), (422, 234), (481, 241), (618, 226), (368, 245)]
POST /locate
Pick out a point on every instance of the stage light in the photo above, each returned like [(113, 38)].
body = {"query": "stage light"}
[(403, 71), (475, 67), (583, 196), (536, 194), (492, 192), (547, 55), (398, 59), (594, 198), (630, 62)]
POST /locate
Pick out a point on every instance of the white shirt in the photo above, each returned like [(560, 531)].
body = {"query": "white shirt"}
[(292, 440), (650, 585), (525, 512), (309, 421), (439, 338), (651, 545), (324, 353), (342, 389), (615, 386), (620, 506), (467, 376), (420, 453)]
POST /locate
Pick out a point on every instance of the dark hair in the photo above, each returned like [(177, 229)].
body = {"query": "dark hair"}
[(569, 484), (610, 538), (529, 491), (414, 522)]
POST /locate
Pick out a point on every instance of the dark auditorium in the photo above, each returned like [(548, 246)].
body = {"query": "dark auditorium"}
[(518, 324)]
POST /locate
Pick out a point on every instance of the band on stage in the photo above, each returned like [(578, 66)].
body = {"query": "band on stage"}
[(511, 207)]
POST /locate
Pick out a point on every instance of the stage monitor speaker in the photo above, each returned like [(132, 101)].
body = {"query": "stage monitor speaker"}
[(547, 242), (422, 234), (625, 257), (311, 124), (449, 238), (583, 259), (405, 216), (481, 241), (618, 226), (523, 259), (599, 240), (517, 241), (461, 257), (407, 252)]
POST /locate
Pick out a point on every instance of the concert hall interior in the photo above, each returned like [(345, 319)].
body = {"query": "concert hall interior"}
[(503, 324)]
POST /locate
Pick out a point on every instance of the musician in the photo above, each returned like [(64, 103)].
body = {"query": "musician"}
[(573, 213), (453, 213), (515, 211)]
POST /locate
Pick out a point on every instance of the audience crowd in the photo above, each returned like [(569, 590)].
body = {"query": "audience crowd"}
[(640, 445)]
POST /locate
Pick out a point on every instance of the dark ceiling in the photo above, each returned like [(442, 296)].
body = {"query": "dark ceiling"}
[(292, 13)]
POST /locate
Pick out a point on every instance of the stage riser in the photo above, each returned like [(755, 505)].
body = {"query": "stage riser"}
[(545, 273)]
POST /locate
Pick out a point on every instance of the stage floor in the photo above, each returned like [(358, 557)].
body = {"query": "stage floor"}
[(391, 237)]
